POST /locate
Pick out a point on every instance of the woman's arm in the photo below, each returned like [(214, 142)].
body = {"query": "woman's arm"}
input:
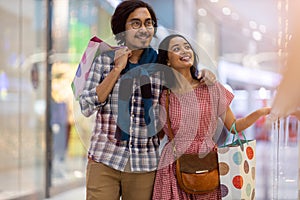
[(244, 122)]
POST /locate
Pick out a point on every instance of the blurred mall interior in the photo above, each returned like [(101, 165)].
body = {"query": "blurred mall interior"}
[(44, 137)]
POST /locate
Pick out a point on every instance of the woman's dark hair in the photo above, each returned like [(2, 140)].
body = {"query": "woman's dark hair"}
[(123, 10), (163, 58)]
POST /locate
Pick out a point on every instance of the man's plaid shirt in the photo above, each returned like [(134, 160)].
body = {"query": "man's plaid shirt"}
[(143, 151)]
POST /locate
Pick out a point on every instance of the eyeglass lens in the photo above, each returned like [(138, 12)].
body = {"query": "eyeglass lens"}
[(138, 24)]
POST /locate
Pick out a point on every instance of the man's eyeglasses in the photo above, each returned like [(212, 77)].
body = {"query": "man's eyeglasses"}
[(136, 24)]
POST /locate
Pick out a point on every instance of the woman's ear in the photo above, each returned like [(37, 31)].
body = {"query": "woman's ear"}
[(168, 63)]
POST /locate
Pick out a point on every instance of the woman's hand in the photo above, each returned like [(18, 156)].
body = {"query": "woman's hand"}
[(266, 110), (207, 77), (296, 114), (121, 57)]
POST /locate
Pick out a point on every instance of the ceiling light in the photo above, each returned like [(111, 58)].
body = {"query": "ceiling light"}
[(235, 16), (252, 24), (262, 93), (256, 35), (202, 12), (262, 28), (226, 11)]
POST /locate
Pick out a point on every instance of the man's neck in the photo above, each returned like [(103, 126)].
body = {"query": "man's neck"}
[(136, 55)]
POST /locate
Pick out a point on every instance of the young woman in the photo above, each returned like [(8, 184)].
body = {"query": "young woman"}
[(194, 109)]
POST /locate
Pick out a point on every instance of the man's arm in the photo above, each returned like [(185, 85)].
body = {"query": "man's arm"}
[(206, 76), (106, 86)]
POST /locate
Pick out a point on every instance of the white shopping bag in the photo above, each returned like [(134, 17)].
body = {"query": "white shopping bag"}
[(94, 48), (237, 166)]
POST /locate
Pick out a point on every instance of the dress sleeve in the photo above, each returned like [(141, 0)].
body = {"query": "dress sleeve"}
[(225, 99), (88, 100)]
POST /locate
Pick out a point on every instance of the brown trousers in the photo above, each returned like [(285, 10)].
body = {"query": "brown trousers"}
[(106, 183)]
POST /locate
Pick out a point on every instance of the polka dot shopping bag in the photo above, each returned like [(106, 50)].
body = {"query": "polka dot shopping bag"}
[(95, 47), (237, 162)]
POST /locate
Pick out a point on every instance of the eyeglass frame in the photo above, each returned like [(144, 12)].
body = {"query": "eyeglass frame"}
[(140, 23)]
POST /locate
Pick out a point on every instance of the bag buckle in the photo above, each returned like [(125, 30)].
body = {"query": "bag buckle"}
[(201, 171)]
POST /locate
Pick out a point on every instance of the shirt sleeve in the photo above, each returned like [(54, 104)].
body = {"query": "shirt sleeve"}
[(225, 99), (88, 100)]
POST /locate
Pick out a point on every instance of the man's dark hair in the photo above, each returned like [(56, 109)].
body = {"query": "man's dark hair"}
[(123, 10)]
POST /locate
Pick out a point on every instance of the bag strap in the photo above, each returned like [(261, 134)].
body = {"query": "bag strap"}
[(236, 134), (168, 115), (169, 121)]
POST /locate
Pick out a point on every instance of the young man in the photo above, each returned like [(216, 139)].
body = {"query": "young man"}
[(124, 149)]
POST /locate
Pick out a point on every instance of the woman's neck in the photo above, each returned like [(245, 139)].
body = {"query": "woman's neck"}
[(185, 81)]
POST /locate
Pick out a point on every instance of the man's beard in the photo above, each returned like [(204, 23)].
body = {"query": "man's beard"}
[(143, 40)]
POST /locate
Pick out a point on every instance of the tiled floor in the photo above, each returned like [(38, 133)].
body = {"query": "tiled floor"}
[(74, 194), (267, 187)]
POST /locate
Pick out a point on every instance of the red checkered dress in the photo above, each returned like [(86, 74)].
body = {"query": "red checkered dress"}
[(193, 118)]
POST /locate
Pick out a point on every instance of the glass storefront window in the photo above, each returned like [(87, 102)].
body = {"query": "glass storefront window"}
[(23, 70), (22, 98), (74, 23)]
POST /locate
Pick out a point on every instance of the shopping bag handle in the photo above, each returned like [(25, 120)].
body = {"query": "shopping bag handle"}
[(236, 134)]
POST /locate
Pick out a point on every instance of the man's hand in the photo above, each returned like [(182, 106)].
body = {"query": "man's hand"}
[(207, 77), (121, 58)]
